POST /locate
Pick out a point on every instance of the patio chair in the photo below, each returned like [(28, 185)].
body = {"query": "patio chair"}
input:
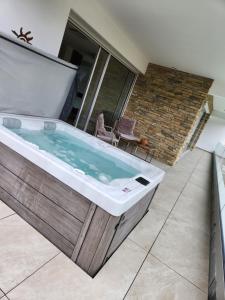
[(124, 128), (105, 133)]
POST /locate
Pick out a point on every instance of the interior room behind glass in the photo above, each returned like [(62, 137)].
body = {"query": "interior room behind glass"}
[(80, 51)]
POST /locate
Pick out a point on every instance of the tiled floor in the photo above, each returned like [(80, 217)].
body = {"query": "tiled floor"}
[(164, 258)]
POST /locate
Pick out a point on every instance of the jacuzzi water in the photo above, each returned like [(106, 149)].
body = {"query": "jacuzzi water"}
[(78, 154)]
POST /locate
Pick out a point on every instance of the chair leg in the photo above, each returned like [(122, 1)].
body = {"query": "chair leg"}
[(149, 154), (146, 157), (128, 144), (115, 144), (132, 148)]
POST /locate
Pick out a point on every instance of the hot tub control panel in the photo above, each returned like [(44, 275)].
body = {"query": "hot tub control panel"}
[(142, 181), (135, 184)]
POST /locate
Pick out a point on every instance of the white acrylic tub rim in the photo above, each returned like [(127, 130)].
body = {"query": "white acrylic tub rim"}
[(114, 199)]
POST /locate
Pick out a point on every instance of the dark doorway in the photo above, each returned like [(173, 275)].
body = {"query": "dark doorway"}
[(81, 51)]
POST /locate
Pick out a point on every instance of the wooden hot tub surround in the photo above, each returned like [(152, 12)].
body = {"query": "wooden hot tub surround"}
[(82, 230)]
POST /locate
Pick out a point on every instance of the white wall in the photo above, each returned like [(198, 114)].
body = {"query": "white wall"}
[(217, 88), (47, 20), (219, 104), (213, 133)]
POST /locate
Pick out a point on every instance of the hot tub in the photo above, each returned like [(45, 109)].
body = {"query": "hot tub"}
[(83, 194)]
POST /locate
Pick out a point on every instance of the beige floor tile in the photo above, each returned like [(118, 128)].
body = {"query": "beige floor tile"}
[(185, 166), (205, 154), (165, 198), (147, 230), (176, 179), (184, 241), (193, 213), (201, 179), (204, 167), (62, 279), (22, 251), (187, 163), (194, 160), (185, 249), (196, 151), (4, 298), (160, 165), (191, 156), (196, 192), (205, 163), (1, 294), (157, 282), (5, 211)]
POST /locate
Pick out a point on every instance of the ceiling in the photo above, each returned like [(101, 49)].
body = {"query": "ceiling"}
[(185, 34)]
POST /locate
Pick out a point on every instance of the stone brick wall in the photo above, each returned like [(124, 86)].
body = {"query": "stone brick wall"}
[(166, 103)]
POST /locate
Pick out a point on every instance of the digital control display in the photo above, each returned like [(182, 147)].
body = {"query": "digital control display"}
[(142, 181)]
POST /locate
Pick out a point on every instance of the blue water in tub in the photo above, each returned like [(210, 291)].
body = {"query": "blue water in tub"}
[(78, 154)]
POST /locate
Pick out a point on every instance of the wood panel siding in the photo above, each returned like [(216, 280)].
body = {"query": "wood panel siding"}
[(84, 230), (103, 246), (90, 244), (129, 220), (63, 222)]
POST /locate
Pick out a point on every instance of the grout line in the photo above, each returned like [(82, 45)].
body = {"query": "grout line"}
[(162, 227), (39, 268), (4, 295), (142, 248), (8, 216), (178, 274)]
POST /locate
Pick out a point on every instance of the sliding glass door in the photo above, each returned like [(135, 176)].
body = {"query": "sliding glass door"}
[(103, 83), (112, 94)]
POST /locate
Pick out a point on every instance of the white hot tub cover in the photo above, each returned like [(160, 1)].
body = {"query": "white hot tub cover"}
[(32, 81)]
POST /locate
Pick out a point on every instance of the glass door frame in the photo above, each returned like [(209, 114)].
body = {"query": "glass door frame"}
[(88, 85), (97, 91), (129, 94)]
